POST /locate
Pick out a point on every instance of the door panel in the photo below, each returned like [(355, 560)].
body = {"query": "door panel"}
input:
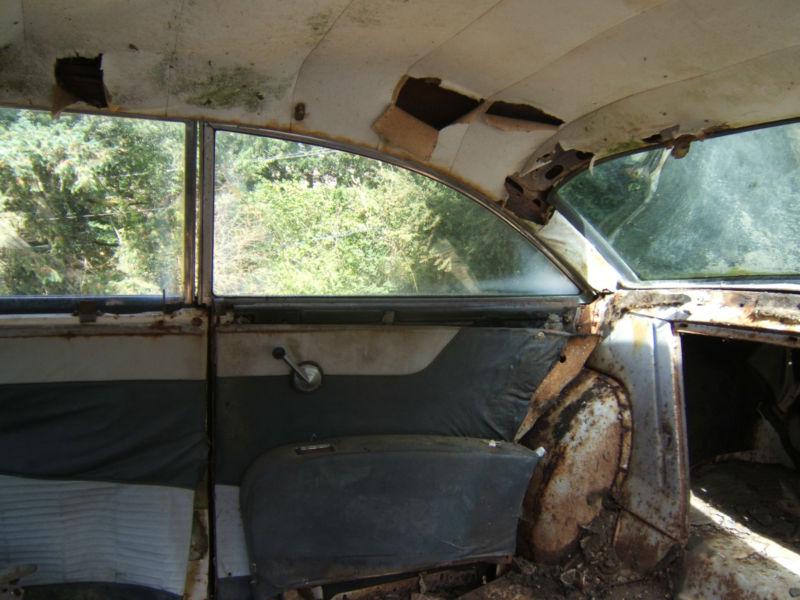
[(129, 431), (102, 444), (470, 382), (478, 385)]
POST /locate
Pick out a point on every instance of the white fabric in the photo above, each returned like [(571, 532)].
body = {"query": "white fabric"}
[(82, 531), (232, 559)]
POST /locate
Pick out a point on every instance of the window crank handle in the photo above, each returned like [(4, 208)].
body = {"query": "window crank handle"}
[(306, 376)]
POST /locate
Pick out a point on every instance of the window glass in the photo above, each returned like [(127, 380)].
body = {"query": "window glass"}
[(730, 208), (297, 219), (90, 205)]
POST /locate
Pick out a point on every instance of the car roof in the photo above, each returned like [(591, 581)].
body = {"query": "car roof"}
[(474, 89)]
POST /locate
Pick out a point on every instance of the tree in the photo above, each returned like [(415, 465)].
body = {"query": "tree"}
[(92, 205), (295, 219), (89, 205)]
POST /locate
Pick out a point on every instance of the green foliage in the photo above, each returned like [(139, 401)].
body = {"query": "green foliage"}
[(293, 219), (727, 209), (89, 205), (93, 206)]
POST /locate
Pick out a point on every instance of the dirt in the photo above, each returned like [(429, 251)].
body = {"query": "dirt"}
[(595, 571), (586, 581), (592, 571), (763, 497)]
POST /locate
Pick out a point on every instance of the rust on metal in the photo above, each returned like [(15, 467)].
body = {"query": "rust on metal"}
[(638, 545), (154, 324), (525, 205), (771, 312), (735, 333), (585, 432), (681, 145), (644, 354), (527, 194), (724, 559), (573, 357)]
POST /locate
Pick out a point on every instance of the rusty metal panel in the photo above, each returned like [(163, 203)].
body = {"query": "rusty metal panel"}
[(725, 559), (638, 545), (644, 354), (746, 310), (587, 434)]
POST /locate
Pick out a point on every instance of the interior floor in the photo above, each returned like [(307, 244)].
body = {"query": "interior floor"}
[(741, 409)]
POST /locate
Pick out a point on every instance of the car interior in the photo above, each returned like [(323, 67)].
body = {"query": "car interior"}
[(399, 300)]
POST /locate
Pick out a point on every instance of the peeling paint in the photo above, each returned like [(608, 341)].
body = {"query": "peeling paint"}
[(769, 312), (528, 190), (585, 436)]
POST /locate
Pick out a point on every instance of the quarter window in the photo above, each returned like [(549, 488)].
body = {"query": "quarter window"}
[(293, 219)]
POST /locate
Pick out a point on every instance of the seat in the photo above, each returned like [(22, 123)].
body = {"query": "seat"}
[(359, 507)]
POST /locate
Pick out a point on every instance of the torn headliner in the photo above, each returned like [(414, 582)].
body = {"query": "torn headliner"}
[(614, 73)]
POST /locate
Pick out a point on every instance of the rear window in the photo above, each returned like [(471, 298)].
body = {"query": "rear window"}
[(294, 219), (730, 208), (90, 205)]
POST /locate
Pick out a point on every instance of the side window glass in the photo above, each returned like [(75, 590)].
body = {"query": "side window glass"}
[(90, 205), (727, 209), (294, 219)]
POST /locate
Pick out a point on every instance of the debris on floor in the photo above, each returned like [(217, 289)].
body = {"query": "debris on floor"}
[(765, 498), (592, 571), (725, 559), (430, 585)]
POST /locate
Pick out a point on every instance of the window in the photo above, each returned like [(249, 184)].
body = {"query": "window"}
[(730, 208), (90, 205), (294, 219)]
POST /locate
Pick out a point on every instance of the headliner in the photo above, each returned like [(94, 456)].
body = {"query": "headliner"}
[(614, 72)]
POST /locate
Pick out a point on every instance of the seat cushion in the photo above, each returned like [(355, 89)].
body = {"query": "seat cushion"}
[(358, 507)]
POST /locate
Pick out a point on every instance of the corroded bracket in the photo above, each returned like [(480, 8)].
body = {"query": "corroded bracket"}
[(527, 194)]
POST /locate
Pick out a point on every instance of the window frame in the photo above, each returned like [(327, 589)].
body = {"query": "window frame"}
[(628, 278), (499, 304), (198, 240), (135, 302)]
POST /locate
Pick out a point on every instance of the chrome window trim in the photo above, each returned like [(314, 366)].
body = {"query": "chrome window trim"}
[(207, 179), (189, 212)]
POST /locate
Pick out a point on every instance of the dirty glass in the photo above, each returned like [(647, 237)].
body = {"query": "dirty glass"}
[(297, 219), (729, 208), (90, 205)]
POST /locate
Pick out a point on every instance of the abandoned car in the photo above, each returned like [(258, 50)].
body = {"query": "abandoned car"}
[(355, 299)]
